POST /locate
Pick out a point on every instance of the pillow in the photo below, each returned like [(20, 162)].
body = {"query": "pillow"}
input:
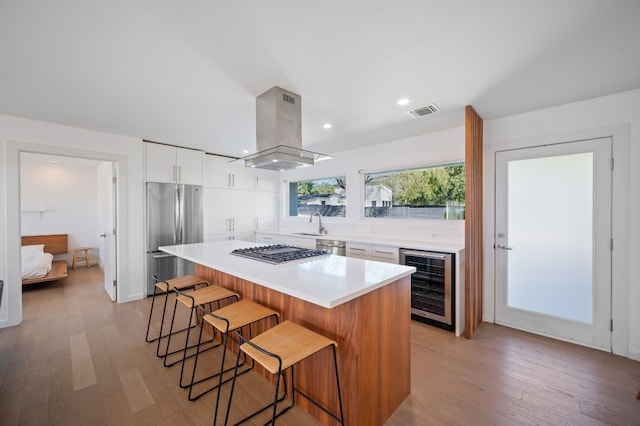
[(36, 248)]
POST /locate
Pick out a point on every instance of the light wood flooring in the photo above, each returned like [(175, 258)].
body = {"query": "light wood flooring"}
[(79, 359)]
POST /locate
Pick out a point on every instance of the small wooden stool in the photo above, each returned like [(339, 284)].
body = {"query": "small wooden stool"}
[(75, 251)]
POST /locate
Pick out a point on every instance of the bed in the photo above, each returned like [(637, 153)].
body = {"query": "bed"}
[(37, 258)]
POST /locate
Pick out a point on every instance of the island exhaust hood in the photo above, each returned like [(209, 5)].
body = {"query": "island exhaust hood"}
[(279, 133)]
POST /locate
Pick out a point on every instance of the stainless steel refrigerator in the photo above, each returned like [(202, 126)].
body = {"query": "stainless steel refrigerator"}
[(174, 216)]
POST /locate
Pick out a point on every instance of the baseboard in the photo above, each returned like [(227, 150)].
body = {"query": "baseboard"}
[(634, 354)]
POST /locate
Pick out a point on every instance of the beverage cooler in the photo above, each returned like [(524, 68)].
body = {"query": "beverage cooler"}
[(432, 290)]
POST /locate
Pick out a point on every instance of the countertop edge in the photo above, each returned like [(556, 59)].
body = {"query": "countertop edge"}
[(328, 303)]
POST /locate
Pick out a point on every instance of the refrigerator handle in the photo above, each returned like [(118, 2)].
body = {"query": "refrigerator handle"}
[(176, 218), (181, 214)]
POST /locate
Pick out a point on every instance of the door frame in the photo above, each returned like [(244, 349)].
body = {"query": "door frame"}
[(12, 161), (620, 136)]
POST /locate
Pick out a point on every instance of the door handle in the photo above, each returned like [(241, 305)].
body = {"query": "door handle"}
[(503, 247), (103, 235)]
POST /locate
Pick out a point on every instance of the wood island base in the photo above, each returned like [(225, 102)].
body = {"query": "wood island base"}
[(373, 335)]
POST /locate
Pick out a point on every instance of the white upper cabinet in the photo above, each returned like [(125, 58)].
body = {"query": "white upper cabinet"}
[(171, 164), (267, 180), (219, 173)]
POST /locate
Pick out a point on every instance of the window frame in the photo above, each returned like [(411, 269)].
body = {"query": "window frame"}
[(363, 193), (290, 196)]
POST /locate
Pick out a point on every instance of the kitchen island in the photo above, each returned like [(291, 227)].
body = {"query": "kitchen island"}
[(363, 305)]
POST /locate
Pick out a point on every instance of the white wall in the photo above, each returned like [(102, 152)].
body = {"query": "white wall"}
[(21, 135), (617, 116), (59, 198), (434, 148)]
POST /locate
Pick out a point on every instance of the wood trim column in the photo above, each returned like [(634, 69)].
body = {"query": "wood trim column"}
[(473, 235)]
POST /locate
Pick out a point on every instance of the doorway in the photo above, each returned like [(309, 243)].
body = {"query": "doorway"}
[(553, 233), (74, 196)]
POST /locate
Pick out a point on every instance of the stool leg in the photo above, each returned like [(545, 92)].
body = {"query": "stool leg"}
[(186, 343), (86, 257), (335, 363), (153, 301), (278, 399), (75, 258)]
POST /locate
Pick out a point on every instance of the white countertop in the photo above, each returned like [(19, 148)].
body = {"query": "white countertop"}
[(443, 246), (327, 281)]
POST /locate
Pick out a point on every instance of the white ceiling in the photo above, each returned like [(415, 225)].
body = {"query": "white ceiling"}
[(188, 72)]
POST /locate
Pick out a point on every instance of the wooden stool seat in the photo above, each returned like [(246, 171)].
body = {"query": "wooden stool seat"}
[(290, 341), (278, 349), (232, 317), (164, 287), (193, 299), (238, 315), (86, 251), (205, 295), (180, 283)]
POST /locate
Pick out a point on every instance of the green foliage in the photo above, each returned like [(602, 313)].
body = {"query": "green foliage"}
[(324, 186), (435, 186)]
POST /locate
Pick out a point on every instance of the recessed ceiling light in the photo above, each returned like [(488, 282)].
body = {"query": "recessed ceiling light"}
[(53, 161), (403, 101), (327, 126), (245, 151)]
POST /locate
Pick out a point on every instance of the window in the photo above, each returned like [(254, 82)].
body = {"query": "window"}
[(436, 192), (325, 196)]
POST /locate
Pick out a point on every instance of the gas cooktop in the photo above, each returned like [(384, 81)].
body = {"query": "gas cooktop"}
[(278, 253)]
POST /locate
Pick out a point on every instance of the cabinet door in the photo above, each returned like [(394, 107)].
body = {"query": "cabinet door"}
[(267, 238), (243, 177), (217, 211), (161, 163), (267, 180), (267, 211), (243, 211), (208, 238), (189, 166), (217, 171), (386, 254), (360, 251)]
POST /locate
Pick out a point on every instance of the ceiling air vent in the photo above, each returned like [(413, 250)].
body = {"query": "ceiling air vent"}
[(422, 111)]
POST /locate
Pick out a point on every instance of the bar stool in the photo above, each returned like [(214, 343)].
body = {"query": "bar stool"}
[(236, 316), (204, 296), (186, 282), (277, 349)]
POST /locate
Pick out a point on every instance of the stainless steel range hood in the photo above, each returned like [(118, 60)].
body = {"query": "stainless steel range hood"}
[(279, 133)]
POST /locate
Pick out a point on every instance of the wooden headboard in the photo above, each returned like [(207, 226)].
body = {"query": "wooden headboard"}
[(54, 244)]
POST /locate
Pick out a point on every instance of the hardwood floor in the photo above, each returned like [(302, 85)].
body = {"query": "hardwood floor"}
[(80, 359)]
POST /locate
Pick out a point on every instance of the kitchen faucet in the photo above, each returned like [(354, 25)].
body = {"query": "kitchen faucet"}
[(321, 229)]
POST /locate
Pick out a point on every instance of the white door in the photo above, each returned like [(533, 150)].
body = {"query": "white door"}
[(108, 208), (553, 240)]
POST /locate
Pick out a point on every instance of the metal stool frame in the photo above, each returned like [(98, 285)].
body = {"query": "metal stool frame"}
[(164, 310), (225, 337), (188, 329), (278, 399)]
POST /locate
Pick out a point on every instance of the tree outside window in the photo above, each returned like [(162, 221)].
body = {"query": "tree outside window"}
[(436, 192)]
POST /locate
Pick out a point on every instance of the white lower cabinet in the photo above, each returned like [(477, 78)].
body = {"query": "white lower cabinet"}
[(379, 253)]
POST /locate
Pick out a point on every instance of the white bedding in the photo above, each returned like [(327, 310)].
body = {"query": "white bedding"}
[(36, 263)]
